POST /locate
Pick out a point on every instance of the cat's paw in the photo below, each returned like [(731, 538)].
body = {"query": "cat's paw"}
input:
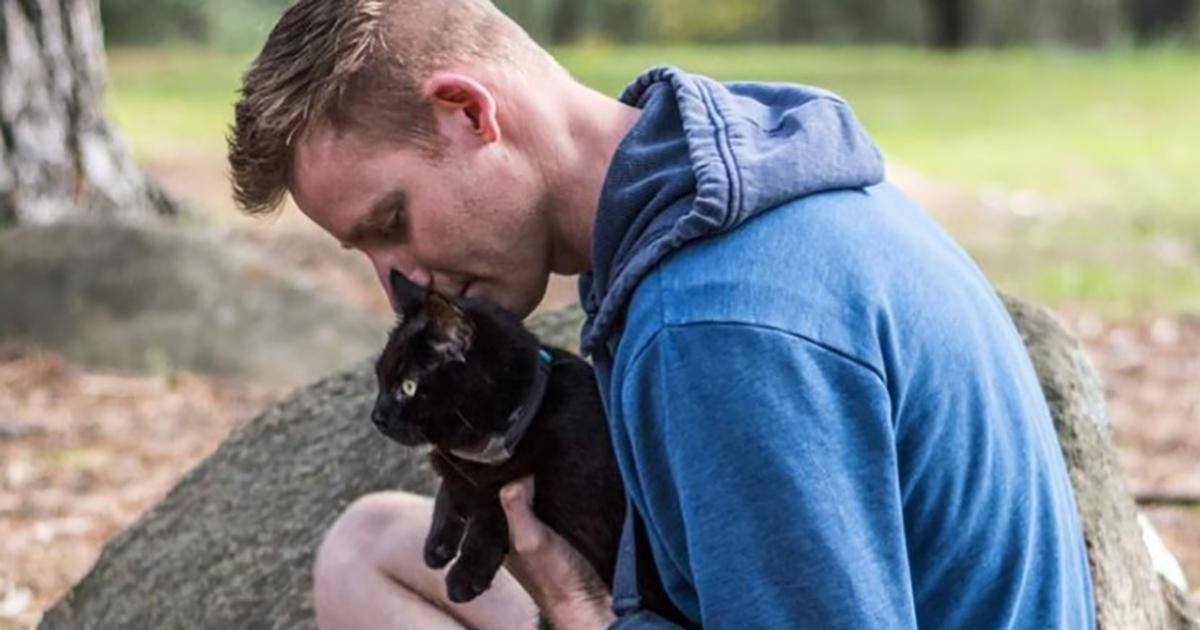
[(484, 546), (464, 584), (439, 553)]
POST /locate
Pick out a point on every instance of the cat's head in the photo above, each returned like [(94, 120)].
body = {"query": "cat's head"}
[(453, 370)]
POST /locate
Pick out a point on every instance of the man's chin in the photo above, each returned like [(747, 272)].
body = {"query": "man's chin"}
[(521, 307)]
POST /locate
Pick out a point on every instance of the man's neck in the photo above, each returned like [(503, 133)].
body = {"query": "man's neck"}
[(588, 128)]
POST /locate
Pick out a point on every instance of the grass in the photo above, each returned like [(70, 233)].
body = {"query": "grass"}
[(168, 101), (1103, 144), (1014, 119)]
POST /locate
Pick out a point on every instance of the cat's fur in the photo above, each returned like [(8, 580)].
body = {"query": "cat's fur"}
[(472, 364)]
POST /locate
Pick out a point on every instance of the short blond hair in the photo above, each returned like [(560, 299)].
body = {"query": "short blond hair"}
[(355, 64)]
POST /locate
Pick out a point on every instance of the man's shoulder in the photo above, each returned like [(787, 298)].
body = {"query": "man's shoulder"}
[(821, 267)]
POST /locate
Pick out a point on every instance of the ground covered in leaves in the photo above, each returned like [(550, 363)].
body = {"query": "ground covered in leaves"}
[(83, 453)]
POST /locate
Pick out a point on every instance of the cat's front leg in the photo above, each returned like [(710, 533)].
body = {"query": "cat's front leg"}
[(445, 531), (482, 553)]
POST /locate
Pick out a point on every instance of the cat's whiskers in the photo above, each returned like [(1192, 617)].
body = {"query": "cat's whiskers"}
[(460, 415)]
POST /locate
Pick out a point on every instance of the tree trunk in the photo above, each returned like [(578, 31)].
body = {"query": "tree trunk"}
[(567, 24), (1152, 20), (59, 157), (796, 20), (1089, 23), (950, 22), (624, 20)]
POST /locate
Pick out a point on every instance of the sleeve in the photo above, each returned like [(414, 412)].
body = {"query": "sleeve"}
[(766, 469)]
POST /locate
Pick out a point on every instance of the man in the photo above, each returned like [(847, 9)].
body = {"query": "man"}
[(822, 414)]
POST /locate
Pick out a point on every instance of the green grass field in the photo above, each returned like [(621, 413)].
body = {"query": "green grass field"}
[(1081, 173)]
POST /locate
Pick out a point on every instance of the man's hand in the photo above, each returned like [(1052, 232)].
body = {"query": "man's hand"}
[(561, 582)]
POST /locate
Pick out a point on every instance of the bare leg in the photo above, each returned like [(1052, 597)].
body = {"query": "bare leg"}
[(370, 574)]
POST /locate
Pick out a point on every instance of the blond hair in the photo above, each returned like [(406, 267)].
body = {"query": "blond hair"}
[(355, 64)]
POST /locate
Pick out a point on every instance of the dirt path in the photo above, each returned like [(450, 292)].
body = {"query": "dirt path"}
[(1152, 372), (82, 454)]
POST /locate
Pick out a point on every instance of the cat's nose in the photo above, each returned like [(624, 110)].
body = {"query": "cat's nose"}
[(385, 407)]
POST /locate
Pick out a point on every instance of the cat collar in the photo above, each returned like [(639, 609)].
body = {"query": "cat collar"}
[(499, 448)]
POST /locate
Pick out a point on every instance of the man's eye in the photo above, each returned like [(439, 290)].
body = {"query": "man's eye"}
[(395, 224)]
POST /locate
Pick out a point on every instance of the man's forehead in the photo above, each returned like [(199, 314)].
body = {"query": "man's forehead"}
[(327, 151), (319, 147), (336, 183), (325, 178), (325, 154)]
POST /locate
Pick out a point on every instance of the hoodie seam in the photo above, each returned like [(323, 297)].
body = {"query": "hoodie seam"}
[(666, 328), (722, 142)]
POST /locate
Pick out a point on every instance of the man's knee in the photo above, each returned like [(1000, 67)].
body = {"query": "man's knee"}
[(358, 539), (370, 563)]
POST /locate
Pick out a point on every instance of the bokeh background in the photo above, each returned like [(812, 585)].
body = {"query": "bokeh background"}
[(1057, 140)]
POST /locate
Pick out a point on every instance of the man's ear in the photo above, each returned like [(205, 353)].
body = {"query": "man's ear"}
[(452, 332), (409, 296), (465, 108)]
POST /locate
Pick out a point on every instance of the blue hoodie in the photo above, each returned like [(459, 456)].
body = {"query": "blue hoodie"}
[(819, 406)]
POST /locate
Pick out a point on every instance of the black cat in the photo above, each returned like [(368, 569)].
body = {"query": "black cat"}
[(466, 377)]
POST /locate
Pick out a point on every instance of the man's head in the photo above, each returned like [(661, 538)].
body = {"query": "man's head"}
[(405, 129)]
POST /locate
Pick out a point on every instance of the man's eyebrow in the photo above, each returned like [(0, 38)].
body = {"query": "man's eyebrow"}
[(381, 215)]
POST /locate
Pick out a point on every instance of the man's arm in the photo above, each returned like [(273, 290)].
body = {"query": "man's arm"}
[(766, 469)]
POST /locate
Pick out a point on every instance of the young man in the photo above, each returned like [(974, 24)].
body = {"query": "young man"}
[(821, 411)]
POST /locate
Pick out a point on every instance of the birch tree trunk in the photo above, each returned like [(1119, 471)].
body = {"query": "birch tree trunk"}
[(59, 157)]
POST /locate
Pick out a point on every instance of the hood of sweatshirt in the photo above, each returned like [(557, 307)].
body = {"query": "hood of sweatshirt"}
[(703, 158)]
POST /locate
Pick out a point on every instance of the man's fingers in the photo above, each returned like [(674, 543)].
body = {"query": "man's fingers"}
[(563, 584), (528, 534)]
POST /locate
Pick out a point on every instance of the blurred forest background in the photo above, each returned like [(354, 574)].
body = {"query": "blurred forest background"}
[(942, 23), (1056, 139)]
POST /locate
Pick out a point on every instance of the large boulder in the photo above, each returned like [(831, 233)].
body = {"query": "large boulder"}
[(1128, 592), (232, 545), (158, 298)]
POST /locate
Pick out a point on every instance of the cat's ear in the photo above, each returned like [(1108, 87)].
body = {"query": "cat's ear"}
[(452, 330), (409, 297)]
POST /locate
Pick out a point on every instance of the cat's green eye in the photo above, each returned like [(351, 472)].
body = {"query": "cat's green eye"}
[(409, 388)]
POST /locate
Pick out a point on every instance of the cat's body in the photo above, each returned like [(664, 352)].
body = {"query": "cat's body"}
[(456, 374), (568, 452)]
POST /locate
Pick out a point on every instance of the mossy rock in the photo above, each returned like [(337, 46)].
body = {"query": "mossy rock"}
[(152, 298)]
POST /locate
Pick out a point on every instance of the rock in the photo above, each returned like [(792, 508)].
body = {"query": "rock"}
[(158, 298), (232, 545), (1128, 593)]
